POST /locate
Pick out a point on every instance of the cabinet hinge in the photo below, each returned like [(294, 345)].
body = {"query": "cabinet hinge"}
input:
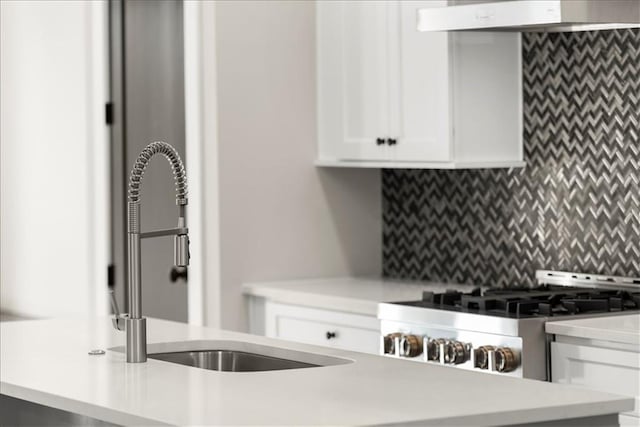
[(111, 275), (108, 113)]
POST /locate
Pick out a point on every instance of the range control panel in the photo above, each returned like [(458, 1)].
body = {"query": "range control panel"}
[(462, 349)]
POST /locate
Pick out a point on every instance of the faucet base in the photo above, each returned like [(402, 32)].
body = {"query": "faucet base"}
[(136, 345)]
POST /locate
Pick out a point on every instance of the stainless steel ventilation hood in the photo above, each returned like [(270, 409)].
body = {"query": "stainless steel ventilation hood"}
[(530, 15)]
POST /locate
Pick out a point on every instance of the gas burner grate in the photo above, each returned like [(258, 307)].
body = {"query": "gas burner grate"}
[(545, 300)]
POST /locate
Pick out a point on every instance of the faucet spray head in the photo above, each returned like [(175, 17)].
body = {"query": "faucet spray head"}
[(181, 241), (181, 250)]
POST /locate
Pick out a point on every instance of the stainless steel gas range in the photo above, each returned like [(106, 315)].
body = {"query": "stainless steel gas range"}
[(499, 330)]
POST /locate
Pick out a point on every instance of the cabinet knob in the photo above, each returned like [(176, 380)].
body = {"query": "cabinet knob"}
[(330, 335), (379, 141), (391, 141)]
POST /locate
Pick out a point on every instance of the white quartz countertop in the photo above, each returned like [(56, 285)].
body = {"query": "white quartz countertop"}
[(618, 328), (351, 294), (46, 362)]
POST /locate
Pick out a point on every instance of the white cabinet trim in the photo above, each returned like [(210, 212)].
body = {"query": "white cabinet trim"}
[(324, 162)]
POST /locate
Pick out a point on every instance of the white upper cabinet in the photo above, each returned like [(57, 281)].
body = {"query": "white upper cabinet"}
[(353, 60), (389, 96)]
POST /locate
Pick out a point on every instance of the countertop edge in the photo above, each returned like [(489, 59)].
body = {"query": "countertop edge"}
[(563, 412), (102, 413), (573, 328), (532, 416), (593, 333)]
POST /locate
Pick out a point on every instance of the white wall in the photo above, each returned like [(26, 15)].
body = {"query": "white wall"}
[(54, 158), (270, 213)]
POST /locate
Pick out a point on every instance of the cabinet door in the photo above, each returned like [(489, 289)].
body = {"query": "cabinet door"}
[(420, 86), (353, 79), (603, 369)]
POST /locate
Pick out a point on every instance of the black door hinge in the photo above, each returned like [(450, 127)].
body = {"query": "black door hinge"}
[(108, 113), (111, 275)]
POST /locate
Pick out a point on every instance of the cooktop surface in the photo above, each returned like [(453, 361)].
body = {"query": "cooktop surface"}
[(544, 300)]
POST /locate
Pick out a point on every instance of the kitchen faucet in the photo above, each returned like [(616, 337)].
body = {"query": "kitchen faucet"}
[(133, 323)]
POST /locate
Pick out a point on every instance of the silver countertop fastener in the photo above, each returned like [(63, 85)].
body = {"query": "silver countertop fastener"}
[(97, 352)]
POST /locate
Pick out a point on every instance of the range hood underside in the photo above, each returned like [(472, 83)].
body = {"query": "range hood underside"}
[(531, 15)]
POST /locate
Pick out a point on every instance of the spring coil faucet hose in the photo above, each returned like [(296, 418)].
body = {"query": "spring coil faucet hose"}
[(134, 323), (142, 162)]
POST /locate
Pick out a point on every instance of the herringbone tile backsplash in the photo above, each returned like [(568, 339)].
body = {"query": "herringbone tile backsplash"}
[(575, 206)]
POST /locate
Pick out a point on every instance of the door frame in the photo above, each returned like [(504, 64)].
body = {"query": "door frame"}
[(192, 17), (194, 143), (117, 156)]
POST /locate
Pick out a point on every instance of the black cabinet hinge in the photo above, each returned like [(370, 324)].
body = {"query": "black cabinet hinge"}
[(111, 275), (108, 113)]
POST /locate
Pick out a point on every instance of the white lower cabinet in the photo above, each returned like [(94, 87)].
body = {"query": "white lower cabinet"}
[(328, 328), (593, 365)]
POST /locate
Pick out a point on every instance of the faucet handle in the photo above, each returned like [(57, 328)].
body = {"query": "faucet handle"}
[(118, 319)]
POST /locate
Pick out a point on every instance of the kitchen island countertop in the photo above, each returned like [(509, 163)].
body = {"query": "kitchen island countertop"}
[(47, 362)]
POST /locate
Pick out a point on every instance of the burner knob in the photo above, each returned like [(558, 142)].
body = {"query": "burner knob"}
[(506, 359), (482, 355), (388, 341), (433, 349), (455, 353), (410, 346)]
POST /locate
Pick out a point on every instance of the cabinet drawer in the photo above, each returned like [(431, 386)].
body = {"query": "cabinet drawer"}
[(328, 334), (609, 370), (322, 327)]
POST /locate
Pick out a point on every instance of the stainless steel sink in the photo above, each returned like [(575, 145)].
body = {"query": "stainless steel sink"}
[(237, 356), (230, 361)]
